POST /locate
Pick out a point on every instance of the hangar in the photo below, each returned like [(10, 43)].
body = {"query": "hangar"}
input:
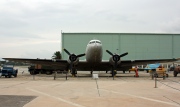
[(138, 45)]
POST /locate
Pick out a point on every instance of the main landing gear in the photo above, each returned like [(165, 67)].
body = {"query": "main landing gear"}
[(113, 73), (74, 72)]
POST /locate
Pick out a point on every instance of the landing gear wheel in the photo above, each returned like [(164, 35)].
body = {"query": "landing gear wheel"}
[(73, 75), (74, 72), (114, 73)]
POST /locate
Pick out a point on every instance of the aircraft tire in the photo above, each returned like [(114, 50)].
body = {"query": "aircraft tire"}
[(113, 73)]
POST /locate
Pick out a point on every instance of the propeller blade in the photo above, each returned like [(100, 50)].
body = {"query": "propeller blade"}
[(67, 51), (80, 55), (124, 54), (109, 52)]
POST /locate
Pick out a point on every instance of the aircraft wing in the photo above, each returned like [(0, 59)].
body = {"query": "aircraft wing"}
[(49, 62), (63, 64), (141, 62), (84, 66), (124, 65)]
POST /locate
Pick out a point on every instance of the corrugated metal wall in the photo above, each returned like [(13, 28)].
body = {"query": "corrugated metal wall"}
[(139, 45)]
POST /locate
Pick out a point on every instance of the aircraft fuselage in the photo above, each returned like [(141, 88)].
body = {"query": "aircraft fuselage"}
[(94, 52)]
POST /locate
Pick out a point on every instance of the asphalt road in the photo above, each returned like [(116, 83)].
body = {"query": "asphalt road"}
[(15, 100)]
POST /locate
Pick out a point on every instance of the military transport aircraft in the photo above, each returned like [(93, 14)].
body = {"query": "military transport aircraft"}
[(93, 60)]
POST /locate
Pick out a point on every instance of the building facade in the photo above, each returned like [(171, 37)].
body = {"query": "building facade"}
[(138, 45)]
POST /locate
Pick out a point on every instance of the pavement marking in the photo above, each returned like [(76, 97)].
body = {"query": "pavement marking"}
[(66, 101), (171, 100), (145, 98)]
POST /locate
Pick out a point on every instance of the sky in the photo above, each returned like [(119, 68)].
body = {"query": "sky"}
[(32, 28)]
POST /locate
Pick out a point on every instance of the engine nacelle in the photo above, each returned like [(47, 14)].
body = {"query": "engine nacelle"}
[(74, 62), (112, 60)]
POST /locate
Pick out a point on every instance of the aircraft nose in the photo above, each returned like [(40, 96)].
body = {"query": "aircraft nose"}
[(97, 47)]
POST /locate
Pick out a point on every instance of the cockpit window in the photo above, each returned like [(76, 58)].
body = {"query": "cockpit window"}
[(98, 42), (94, 42), (91, 42)]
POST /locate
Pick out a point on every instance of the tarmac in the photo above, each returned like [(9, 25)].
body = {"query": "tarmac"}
[(83, 91)]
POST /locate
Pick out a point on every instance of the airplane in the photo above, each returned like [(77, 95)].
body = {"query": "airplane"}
[(93, 62)]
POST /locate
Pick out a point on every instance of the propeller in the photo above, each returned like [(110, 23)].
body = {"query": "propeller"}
[(72, 58), (116, 58)]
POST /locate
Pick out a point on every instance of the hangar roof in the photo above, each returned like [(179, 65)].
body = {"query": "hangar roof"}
[(120, 33)]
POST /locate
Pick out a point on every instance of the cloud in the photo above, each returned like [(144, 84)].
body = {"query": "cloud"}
[(171, 26), (30, 26)]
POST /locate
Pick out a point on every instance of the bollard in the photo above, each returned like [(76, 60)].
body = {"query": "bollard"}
[(55, 75), (33, 75), (164, 77), (155, 82)]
